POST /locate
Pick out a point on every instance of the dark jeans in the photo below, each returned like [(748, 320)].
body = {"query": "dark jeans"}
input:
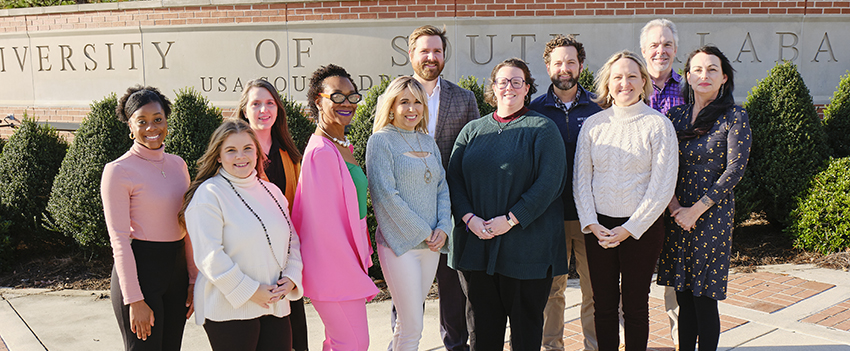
[(495, 298), (627, 267), (298, 319), (164, 280), (698, 316), (265, 333)]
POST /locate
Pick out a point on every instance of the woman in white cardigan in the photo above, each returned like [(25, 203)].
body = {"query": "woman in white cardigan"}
[(625, 172), (244, 246)]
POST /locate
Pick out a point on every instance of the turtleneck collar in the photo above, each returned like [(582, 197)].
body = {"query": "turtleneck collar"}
[(157, 155), (240, 182), (631, 113), (401, 130), (512, 116)]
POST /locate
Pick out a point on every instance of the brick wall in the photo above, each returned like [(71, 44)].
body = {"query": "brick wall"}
[(162, 12)]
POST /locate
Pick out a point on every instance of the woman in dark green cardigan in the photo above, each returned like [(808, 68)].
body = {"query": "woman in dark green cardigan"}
[(506, 173)]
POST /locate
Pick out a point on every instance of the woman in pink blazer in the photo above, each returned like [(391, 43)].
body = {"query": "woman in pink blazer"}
[(329, 215)]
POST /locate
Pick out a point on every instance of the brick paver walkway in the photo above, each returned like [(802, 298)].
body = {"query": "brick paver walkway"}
[(836, 316), (770, 292)]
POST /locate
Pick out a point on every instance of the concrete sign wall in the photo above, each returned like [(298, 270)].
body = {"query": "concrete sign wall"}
[(74, 67)]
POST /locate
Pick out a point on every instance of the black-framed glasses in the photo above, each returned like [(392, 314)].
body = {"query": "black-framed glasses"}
[(516, 82), (339, 98)]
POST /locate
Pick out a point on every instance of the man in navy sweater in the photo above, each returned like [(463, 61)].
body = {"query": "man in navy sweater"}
[(568, 105)]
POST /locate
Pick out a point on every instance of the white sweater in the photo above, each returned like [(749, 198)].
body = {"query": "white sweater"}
[(231, 249), (626, 166)]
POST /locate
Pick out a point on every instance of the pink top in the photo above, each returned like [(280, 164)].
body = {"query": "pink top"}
[(335, 247), (140, 204)]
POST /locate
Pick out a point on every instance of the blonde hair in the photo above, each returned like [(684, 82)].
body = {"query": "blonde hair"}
[(603, 96), (208, 164), (394, 90)]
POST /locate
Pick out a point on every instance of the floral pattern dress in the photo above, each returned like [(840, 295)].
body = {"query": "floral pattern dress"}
[(711, 164)]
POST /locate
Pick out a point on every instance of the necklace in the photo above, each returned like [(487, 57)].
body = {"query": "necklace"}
[(268, 239), (505, 125), (342, 143), (427, 175), (161, 171)]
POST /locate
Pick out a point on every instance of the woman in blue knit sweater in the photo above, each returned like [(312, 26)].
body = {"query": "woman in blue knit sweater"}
[(506, 174), (411, 201)]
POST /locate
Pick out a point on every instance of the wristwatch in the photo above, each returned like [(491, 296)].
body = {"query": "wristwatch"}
[(510, 221)]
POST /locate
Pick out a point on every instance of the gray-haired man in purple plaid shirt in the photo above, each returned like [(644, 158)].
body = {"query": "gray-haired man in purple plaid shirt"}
[(659, 42)]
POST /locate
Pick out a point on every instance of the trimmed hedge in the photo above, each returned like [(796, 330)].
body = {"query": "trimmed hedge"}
[(29, 162), (836, 119), (75, 207), (821, 221), (300, 126), (358, 133), (471, 83), (788, 148), (585, 79), (190, 126)]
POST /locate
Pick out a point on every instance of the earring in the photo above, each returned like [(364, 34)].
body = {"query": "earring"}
[(132, 136), (721, 92), (691, 96), (392, 116)]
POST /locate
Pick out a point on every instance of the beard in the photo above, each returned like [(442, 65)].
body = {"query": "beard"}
[(564, 84), (429, 73)]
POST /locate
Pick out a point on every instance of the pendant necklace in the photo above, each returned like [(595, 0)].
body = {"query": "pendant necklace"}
[(427, 175), (161, 171), (505, 125)]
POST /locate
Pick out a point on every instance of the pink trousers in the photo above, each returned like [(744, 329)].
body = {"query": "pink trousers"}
[(346, 326)]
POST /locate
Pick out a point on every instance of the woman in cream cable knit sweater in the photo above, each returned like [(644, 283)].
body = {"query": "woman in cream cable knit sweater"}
[(244, 245), (625, 173)]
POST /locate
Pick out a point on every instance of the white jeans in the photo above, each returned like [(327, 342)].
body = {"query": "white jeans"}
[(409, 279)]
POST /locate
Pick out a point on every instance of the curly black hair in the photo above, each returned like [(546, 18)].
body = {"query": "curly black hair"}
[(317, 84), (138, 96)]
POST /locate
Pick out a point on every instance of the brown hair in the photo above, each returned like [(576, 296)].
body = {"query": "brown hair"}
[(426, 30), (280, 129), (490, 96), (559, 41), (208, 164)]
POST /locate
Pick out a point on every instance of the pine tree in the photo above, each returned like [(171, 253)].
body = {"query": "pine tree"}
[(788, 148), (75, 207), (192, 122), (836, 119)]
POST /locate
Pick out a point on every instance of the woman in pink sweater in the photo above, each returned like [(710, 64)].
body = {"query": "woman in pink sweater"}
[(142, 191)]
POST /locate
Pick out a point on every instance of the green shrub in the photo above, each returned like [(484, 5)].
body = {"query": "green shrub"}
[(28, 164), (300, 127), (192, 122), (471, 83), (585, 79), (2, 144), (836, 119), (7, 248), (788, 147), (359, 132), (821, 221), (75, 207)]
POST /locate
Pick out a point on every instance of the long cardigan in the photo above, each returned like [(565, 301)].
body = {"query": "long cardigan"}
[(335, 245)]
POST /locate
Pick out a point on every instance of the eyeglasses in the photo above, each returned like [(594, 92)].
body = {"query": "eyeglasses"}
[(516, 82), (339, 98)]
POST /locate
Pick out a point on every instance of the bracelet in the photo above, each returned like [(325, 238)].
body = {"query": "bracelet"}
[(467, 222)]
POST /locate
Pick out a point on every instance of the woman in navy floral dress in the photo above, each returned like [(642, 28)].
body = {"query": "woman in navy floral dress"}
[(714, 144)]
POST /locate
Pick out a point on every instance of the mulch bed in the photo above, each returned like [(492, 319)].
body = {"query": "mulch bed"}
[(756, 243)]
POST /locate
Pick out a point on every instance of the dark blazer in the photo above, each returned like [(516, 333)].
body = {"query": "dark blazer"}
[(457, 107)]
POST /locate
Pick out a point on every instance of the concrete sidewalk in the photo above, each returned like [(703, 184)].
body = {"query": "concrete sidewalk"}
[(781, 307)]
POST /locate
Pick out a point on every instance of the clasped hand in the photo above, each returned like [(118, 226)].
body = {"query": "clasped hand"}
[(609, 238), (686, 217), (267, 295), (490, 228)]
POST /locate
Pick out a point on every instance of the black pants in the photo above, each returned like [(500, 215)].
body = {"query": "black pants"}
[(495, 298), (627, 268), (298, 320), (262, 333), (162, 274), (698, 316)]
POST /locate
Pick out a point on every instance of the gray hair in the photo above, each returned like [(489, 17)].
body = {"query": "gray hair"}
[(659, 22)]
